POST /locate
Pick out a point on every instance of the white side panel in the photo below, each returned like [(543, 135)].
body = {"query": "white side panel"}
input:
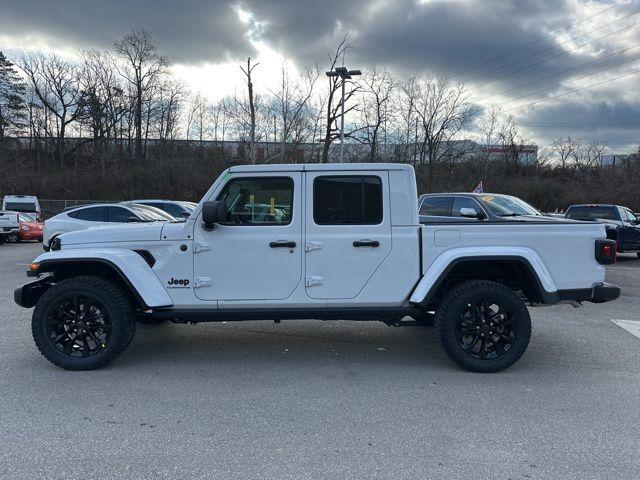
[(404, 197), (132, 265), (396, 276), (561, 254)]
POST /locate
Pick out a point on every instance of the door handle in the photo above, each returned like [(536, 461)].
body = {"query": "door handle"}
[(282, 244), (366, 243)]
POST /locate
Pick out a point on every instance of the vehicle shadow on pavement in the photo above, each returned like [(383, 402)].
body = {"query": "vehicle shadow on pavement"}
[(301, 342)]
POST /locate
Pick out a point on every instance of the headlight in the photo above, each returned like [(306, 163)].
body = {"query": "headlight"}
[(25, 228)]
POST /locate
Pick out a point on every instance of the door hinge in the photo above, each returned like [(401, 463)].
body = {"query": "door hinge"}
[(201, 247), (311, 245), (202, 282), (313, 280)]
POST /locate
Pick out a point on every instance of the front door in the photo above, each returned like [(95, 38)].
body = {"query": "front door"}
[(257, 254), (348, 231)]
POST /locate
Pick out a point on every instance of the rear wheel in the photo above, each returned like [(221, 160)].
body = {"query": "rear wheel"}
[(83, 323), (483, 326)]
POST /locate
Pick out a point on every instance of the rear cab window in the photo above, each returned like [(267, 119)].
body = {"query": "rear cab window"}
[(593, 212), (436, 206)]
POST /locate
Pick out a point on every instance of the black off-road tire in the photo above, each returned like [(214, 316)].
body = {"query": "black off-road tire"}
[(459, 300), (115, 301)]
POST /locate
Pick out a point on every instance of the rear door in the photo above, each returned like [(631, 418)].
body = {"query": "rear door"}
[(348, 231)]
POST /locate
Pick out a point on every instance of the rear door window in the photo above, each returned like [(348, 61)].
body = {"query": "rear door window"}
[(347, 200), (436, 206)]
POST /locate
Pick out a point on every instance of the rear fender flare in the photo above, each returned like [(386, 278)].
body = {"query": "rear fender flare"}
[(437, 271)]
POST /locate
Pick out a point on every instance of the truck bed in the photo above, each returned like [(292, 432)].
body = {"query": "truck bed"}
[(566, 247)]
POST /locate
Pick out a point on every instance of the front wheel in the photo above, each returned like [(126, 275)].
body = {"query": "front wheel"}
[(13, 238), (483, 326), (83, 323)]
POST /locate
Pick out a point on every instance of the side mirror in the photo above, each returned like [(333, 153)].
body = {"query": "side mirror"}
[(214, 212), (472, 213)]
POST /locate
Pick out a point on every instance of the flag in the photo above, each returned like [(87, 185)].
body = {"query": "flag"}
[(478, 188)]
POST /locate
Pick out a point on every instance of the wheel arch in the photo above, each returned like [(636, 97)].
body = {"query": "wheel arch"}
[(127, 268), (515, 271)]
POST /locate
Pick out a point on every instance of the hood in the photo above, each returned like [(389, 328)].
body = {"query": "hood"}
[(32, 225), (128, 232)]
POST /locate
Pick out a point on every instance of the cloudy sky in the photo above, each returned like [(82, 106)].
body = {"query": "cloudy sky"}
[(528, 56)]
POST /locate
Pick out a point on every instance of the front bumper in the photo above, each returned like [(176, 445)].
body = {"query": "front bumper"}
[(31, 235), (599, 293), (28, 295)]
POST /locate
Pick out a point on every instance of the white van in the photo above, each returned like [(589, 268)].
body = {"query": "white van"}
[(21, 203)]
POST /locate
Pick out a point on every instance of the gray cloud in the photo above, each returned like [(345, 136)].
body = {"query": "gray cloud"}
[(438, 36), (189, 31)]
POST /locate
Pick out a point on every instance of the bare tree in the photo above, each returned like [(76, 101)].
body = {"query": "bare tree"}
[(290, 107), (333, 106), (587, 155), (443, 111), (248, 72), (143, 69), (378, 88), (565, 149), (55, 84)]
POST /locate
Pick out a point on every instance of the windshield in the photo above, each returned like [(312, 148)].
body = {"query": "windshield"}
[(592, 212), (27, 217), (151, 214), (505, 205), (20, 206), (189, 205)]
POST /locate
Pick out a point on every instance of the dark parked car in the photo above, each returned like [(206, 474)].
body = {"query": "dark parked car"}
[(469, 207), (621, 223)]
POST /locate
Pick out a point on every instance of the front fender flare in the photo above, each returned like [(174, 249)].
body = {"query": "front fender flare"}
[(130, 266), (438, 270)]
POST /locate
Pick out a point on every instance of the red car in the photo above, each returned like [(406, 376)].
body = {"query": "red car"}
[(30, 228)]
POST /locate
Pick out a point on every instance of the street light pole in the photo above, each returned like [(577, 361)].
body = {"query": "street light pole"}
[(344, 74), (342, 126)]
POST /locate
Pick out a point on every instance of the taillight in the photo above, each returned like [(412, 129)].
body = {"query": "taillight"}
[(606, 251)]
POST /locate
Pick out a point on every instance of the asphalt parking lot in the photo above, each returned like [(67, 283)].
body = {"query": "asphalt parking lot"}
[(329, 400)]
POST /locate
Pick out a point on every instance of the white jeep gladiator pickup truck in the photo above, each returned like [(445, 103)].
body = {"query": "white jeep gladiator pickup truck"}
[(321, 241)]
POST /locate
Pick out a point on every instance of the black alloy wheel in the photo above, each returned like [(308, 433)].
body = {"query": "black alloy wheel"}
[(486, 329), (78, 325)]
